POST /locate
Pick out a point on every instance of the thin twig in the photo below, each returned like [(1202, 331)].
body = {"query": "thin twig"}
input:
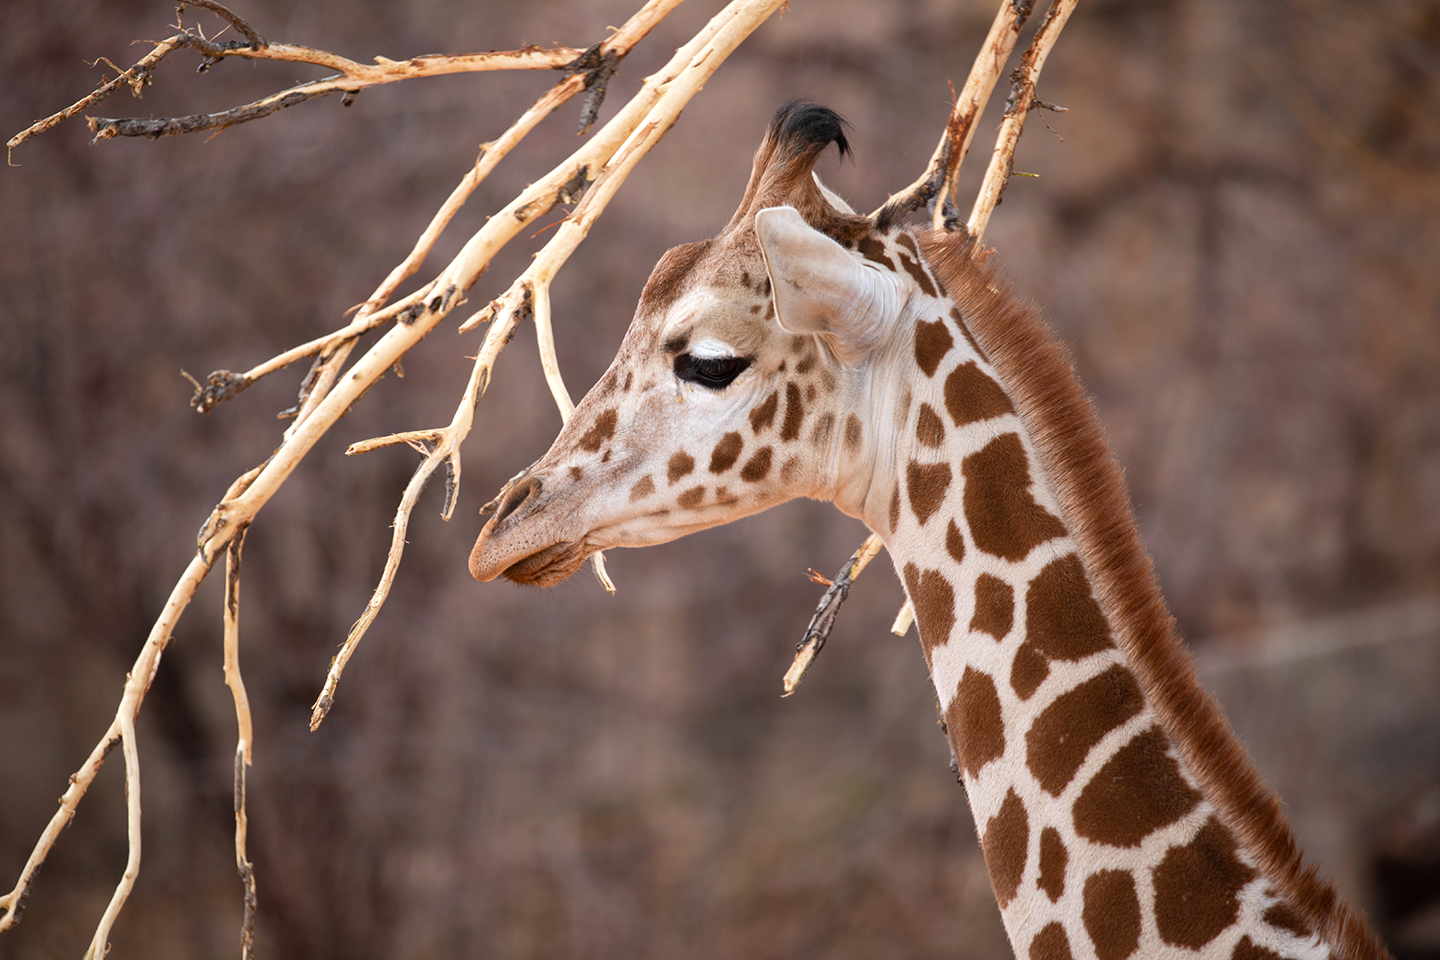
[(824, 619), (940, 173), (245, 739), (137, 76), (1022, 98)]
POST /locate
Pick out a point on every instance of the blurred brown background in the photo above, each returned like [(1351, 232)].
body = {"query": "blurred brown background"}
[(1236, 227)]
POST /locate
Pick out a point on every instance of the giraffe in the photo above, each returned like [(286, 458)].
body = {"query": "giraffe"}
[(810, 351)]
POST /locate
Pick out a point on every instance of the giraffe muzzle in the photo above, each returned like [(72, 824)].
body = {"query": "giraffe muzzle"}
[(521, 543)]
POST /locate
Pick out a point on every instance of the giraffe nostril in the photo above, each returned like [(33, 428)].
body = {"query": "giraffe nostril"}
[(515, 497)]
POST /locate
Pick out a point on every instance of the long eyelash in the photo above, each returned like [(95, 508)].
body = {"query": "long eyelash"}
[(715, 373)]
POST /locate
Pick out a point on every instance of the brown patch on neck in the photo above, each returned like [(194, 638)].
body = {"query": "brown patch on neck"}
[(934, 602), (926, 484), (1004, 518), (1111, 914), (1005, 845), (1071, 445), (1197, 888), (932, 342)]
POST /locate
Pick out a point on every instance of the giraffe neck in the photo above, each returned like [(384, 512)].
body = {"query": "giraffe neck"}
[(1102, 830)]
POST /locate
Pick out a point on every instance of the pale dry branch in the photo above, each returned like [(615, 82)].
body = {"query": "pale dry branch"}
[(615, 148), (903, 619), (938, 183), (663, 96), (136, 77), (223, 384), (1022, 99), (592, 67), (824, 619), (101, 941), (245, 739)]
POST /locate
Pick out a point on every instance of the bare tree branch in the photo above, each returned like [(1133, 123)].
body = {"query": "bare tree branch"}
[(939, 175), (594, 66)]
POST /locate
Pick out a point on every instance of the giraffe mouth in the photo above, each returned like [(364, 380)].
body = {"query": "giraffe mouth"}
[(547, 567)]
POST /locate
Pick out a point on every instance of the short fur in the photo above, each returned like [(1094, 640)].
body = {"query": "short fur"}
[(1061, 419)]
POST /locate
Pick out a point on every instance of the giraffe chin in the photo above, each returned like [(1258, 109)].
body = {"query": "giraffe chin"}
[(547, 567)]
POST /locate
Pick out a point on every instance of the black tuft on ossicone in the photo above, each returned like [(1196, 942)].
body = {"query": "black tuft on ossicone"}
[(783, 172), (802, 124)]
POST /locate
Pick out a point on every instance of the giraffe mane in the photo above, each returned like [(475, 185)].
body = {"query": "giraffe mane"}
[(1038, 370)]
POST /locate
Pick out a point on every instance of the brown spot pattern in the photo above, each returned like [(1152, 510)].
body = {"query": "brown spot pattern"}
[(1197, 888), (926, 483), (932, 342), (972, 396), (994, 606), (874, 251), (603, 429), (691, 498), (680, 465), (1027, 671), (821, 434), (853, 432), (576, 473), (974, 718), (1004, 518), (806, 364), (726, 452), (1136, 792), (764, 415), (790, 470), (757, 467), (1287, 918), (929, 429), (1053, 860), (934, 601), (1051, 944), (1062, 619), (1248, 949), (1006, 841), (895, 508), (827, 380), (794, 413), (644, 488), (1111, 914), (913, 268), (629, 379), (954, 543), (1064, 734)]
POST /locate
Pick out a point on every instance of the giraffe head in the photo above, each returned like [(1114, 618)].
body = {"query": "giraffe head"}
[(747, 378)]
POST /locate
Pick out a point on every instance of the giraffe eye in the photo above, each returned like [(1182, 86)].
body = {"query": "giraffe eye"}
[(713, 372)]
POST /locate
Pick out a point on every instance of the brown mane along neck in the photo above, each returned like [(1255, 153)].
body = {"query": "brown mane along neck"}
[(1061, 420)]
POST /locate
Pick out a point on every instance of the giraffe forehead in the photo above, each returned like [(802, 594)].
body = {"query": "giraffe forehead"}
[(716, 320)]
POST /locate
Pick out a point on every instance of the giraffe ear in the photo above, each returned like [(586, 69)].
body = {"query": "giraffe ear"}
[(821, 288)]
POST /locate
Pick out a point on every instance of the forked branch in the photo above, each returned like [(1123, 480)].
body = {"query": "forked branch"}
[(593, 67), (606, 159)]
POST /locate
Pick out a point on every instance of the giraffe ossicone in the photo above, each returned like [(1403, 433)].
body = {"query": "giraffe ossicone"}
[(810, 351)]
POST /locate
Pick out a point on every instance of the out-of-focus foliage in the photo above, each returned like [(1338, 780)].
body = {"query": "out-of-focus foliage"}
[(1239, 235)]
